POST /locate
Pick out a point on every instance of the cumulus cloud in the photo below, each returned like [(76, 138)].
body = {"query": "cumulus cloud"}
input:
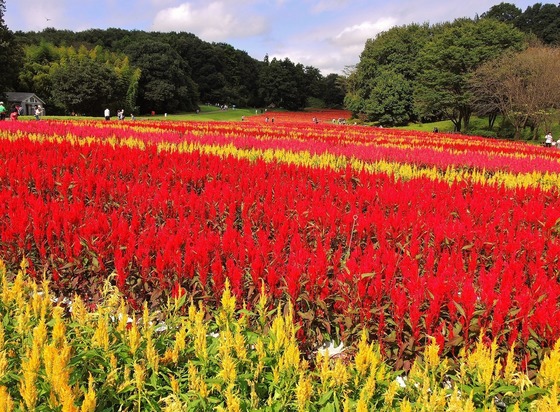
[(359, 33), (216, 21)]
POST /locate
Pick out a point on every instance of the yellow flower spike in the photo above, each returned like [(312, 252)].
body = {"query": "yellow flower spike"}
[(134, 337), (228, 301), (100, 337), (3, 364), (2, 337), (6, 401), (152, 355), (59, 328), (303, 391), (406, 406), (30, 368), (365, 357), (196, 382), (549, 373), (122, 316), (391, 392), (368, 389), (510, 367), (79, 311), (146, 322), (113, 370), (233, 403), (174, 383), (261, 355), (324, 370), (180, 342), (240, 346), (431, 355), (139, 376), (290, 360), (90, 400), (228, 371), (340, 374)]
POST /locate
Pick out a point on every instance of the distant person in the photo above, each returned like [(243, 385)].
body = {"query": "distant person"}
[(38, 112), (107, 114), (548, 139), (2, 111), (131, 116), (14, 113), (436, 130)]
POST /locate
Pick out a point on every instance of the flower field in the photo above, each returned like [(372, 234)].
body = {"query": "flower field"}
[(410, 235)]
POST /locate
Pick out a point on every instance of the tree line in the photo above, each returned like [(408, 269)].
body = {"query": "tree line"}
[(140, 72), (504, 62)]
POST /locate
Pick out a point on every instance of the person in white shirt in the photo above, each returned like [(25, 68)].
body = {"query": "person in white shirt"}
[(548, 139), (107, 114)]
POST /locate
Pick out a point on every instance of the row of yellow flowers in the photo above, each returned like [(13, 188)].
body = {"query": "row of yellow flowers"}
[(401, 171), (60, 355)]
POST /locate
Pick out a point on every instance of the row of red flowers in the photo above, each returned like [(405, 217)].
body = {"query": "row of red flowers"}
[(407, 259)]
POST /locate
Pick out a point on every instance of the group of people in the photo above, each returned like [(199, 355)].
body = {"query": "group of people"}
[(120, 114), (549, 141), (15, 111)]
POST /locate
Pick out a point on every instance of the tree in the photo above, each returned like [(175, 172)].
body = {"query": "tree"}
[(10, 55), (522, 86), (165, 84), (83, 86), (504, 12), (374, 93), (334, 90), (449, 59), (282, 84), (542, 20)]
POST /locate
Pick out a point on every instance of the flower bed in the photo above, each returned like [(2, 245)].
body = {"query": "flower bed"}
[(409, 235)]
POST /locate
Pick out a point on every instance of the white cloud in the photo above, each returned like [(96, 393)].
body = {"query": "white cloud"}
[(359, 33), (216, 21)]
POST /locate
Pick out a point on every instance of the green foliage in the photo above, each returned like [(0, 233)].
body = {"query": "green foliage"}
[(179, 71), (449, 58), (165, 84), (79, 80), (283, 84), (381, 86), (10, 55)]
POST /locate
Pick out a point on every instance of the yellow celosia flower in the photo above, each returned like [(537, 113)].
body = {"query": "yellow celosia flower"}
[(3, 364), (303, 392), (90, 401), (228, 301), (196, 382), (228, 371), (152, 355), (100, 337), (30, 368), (134, 337), (79, 310), (139, 376), (6, 401), (549, 373), (59, 328)]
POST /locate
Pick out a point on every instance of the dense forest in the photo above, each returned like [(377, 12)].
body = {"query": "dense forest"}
[(487, 65)]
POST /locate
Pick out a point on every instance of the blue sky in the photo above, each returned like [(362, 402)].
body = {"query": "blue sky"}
[(326, 34)]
